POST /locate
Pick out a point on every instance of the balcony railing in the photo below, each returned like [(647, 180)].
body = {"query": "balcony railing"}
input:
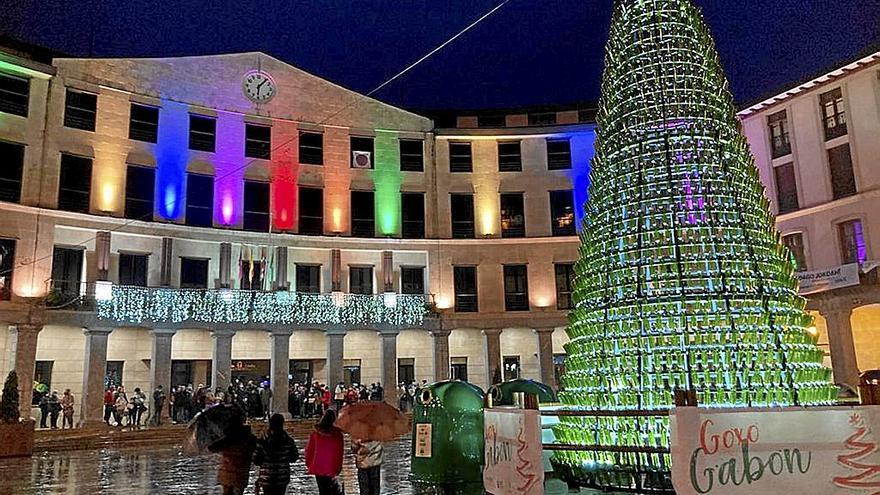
[(138, 305)]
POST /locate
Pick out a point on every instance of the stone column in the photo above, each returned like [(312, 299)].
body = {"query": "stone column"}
[(493, 355), (91, 402), (843, 350), (102, 255), (545, 356), (221, 362), (225, 265), (335, 351), (388, 357), (281, 268), (441, 354), (23, 359), (166, 261), (160, 368), (280, 370)]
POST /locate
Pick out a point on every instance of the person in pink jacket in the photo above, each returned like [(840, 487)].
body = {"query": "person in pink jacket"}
[(324, 454)]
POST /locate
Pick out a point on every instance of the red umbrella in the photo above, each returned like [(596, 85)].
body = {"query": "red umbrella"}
[(373, 421)]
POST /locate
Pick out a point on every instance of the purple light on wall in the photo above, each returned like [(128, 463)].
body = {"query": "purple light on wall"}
[(229, 167)]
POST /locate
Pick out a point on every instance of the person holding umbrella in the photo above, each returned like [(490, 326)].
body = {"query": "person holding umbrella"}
[(324, 454), (368, 460), (276, 451)]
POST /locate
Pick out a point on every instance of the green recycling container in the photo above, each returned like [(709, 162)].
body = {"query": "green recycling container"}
[(502, 393), (447, 440)]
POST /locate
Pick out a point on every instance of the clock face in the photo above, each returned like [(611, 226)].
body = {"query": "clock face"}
[(258, 86)]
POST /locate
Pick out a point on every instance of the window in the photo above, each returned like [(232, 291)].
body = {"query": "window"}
[(79, 110), (464, 281), (458, 369), (786, 188), (75, 183), (412, 155), (351, 371), (564, 285), (67, 272), (412, 280), (251, 275), (558, 154), (193, 273), (516, 288), (833, 114), (562, 212), (133, 269), (311, 211), (144, 123), (11, 170), (199, 200), (460, 158), (406, 370), (308, 279), (14, 95), (202, 133), (311, 148), (843, 182), (113, 375), (412, 209), (513, 218), (256, 206), (795, 244), (462, 212), (491, 120), (511, 367), (257, 141), (7, 265), (780, 144), (360, 279), (543, 118), (852, 242), (363, 214), (588, 115), (140, 190), (509, 156), (361, 148)]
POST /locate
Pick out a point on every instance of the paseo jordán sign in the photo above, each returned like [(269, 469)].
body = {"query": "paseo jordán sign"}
[(815, 451)]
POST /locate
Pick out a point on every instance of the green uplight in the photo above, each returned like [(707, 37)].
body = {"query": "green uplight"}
[(387, 179)]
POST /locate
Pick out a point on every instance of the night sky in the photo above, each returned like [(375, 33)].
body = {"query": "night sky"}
[(530, 52)]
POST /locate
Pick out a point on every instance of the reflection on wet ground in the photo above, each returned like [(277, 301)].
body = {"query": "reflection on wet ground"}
[(166, 471)]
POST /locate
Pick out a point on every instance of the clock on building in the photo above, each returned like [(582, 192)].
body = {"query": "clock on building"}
[(258, 86)]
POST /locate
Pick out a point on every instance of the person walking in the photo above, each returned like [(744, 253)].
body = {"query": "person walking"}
[(44, 411), (274, 454), (265, 400), (109, 400), (339, 395), (235, 461), (158, 405), (54, 407), (368, 460), (67, 409), (324, 454), (121, 405)]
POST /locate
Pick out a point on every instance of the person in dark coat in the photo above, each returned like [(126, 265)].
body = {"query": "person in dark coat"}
[(237, 453), (275, 452), (158, 405), (54, 407)]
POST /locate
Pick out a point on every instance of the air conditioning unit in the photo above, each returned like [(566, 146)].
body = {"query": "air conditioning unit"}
[(361, 159)]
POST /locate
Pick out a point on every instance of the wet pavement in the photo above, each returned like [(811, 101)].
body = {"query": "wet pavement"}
[(167, 471)]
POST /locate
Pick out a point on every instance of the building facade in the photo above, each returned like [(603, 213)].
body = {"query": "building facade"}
[(197, 219)]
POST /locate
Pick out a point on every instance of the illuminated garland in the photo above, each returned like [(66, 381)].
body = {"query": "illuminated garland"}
[(683, 283), (139, 305)]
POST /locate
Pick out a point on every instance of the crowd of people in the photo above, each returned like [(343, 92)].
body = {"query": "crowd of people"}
[(313, 400)]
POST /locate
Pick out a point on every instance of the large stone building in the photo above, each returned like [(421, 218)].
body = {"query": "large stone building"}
[(193, 219)]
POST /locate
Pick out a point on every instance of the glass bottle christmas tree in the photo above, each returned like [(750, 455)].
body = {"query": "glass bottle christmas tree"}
[(683, 282)]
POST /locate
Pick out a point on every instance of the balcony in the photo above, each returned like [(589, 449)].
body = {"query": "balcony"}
[(151, 306)]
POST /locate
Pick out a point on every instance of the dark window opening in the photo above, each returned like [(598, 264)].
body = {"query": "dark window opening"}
[(363, 214), (458, 369), (7, 266), (509, 156), (491, 120), (257, 141), (80, 110), (202, 133), (462, 213), (562, 213), (460, 157), (133, 269), (199, 200), (43, 376), (413, 215), (779, 140), (360, 279), (558, 154), (311, 148), (113, 374), (140, 190), (67, 272), (852, 242), (406, 370), (193, 273), (516, 288), (412, 280), (14, 95), (11, 171), (564, 285), (308, 279), (786, 188), (833, 114), (512, 369), (795, 244), (587, 115), (252, 274), (75, 184), (465, 286), (256, 206), (544, 118), (362, 155), (311, 211), (843, 182), (513, 217), (412, 155), (144, 123)]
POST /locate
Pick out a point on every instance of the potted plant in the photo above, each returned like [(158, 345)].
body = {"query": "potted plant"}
[(16, 435)]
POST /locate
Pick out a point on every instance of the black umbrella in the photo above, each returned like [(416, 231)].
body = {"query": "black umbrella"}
[(214, 428)]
